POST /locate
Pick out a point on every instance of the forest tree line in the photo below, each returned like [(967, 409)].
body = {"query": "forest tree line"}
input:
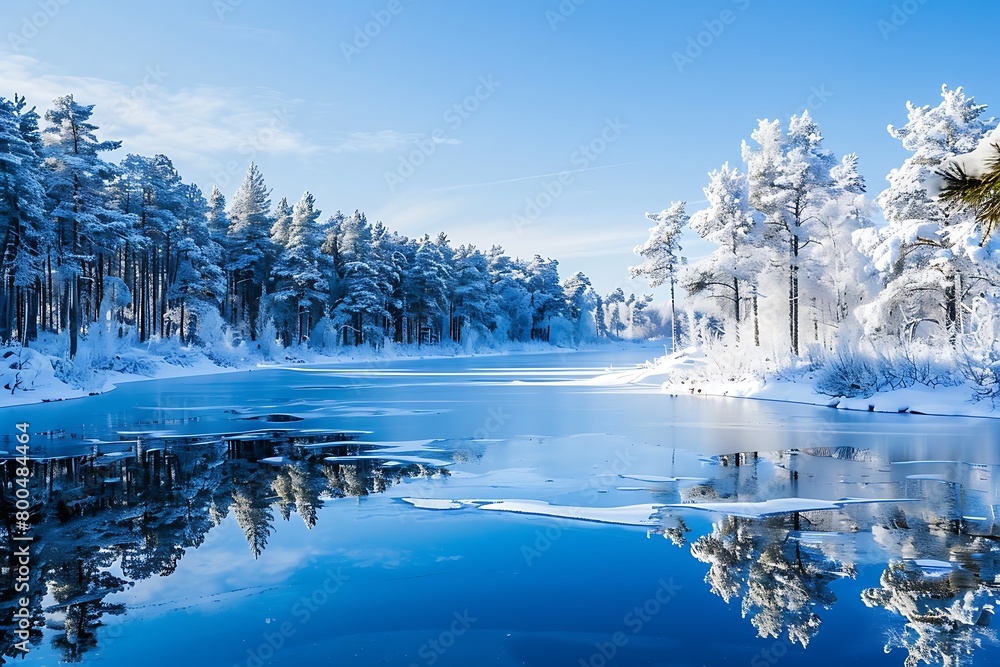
[(132, 249)]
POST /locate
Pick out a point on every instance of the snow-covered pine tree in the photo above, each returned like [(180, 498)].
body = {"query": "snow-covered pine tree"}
[(470, 293), (88, 229), (389, 261), (972, 181), (282, 216), (612, 302), (789, 176), (198, 285), (582, 302), (843, 280), (508, 309), (931, 255), (250, 248), (426, 282), (731, 273), (27, 233), (547, 299), (662, 256), (299, 281)]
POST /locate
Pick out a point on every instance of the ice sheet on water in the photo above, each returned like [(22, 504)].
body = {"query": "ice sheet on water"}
[(399, 459), (437, 503), (776, 506), (660, 479), (628, 515), (387, 446)]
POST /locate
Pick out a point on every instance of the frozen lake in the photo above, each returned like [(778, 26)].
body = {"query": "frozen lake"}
[(501, 511)]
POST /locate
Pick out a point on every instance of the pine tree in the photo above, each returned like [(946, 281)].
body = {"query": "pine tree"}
[(662, 254), (88, 230), (730, 273), (977, 191), (470, 292), (299, 278), (250, 248), (282, 223), (508, 309), (929, 255), (547, 299), (198, 285), (218, 228), (789, 181), (582, 302), (427, 289), (26, 231)]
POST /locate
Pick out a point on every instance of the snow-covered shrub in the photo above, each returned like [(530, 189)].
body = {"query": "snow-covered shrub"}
[(561, 332), (267, 339), (978, 352), (324, 335), (134, 362), (24, 369), (850, 373), (861, 370)]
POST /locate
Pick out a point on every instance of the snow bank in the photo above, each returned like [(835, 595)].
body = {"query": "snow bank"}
[(690, 372)]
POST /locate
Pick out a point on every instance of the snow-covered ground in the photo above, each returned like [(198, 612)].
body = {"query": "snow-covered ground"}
[(673, 375)]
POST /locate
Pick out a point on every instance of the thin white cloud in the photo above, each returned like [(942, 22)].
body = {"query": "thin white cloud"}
[(200, 124), (381, 140), (197, 123)]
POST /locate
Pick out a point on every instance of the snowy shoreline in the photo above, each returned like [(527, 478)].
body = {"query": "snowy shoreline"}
[(919, 400), (657, 376), (49, 389)]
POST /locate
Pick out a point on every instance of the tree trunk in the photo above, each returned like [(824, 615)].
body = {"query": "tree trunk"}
[(673, 318), (756, 323), (74, 315)]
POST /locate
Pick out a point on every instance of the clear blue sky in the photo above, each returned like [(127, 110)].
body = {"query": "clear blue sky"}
[(214, 83)]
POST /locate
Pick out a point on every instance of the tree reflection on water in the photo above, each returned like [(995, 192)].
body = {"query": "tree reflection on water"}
[(143, 507)]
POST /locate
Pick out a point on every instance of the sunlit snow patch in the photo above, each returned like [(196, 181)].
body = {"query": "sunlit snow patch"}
[(657, 479), (437, 503), (399, 459), (775, 506), (629, 515)]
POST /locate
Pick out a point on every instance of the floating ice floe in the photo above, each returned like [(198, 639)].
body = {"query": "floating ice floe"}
[(628, 515), (397, 459), (657, 479), (437, 503), (775, 506), (397, 446)]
